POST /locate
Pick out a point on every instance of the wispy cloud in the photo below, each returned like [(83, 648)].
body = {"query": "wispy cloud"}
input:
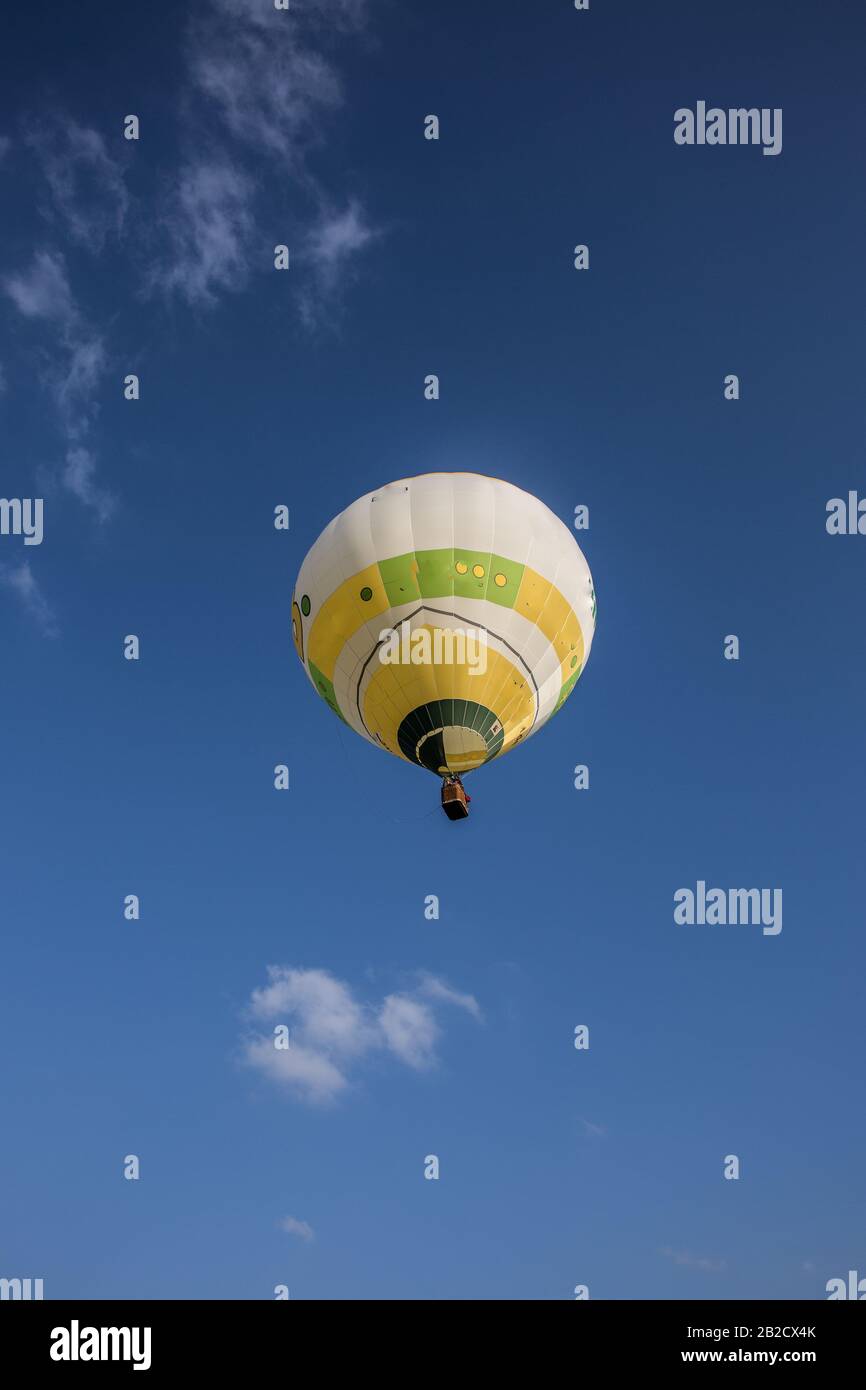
[(21, 582), (293, 1227), (330, 251), (88, 200), (336, 236), (42, 291), (334, 14), (79, 477), (689, 1261), (434, 988), (76, 377), (593, 1131), (261, 77), (260, 89), (87, 193), (209, 229), (331, 1030), (75, 360)]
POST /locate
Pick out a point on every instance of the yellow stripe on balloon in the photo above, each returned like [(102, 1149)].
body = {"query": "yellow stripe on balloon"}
[(395, 690), (343, 614), (541, 603)]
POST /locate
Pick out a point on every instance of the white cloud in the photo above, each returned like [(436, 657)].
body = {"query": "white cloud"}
[(20, 581), (324, 1008), (308, 1074), (409, 1029), (85, 183), (689, 1261), (293, 1227), (331, 1031)]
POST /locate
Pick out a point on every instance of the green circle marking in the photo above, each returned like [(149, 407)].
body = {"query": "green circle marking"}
[(305, 605), (366, 593)]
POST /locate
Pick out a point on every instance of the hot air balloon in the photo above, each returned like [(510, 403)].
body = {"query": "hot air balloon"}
[(445, 618)]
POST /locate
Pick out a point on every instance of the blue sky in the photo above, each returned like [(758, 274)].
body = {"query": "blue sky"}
[(707, 517)]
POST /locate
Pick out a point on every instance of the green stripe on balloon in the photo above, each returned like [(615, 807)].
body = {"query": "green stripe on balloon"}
[(446, 572), (326, 690)]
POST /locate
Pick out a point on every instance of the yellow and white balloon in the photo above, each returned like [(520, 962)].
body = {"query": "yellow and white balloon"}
[(445, 618)]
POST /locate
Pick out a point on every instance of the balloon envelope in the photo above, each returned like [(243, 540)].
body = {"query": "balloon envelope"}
[(445, 618)]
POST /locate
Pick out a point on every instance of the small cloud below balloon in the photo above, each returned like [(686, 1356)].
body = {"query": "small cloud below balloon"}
[(329, 1032)]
